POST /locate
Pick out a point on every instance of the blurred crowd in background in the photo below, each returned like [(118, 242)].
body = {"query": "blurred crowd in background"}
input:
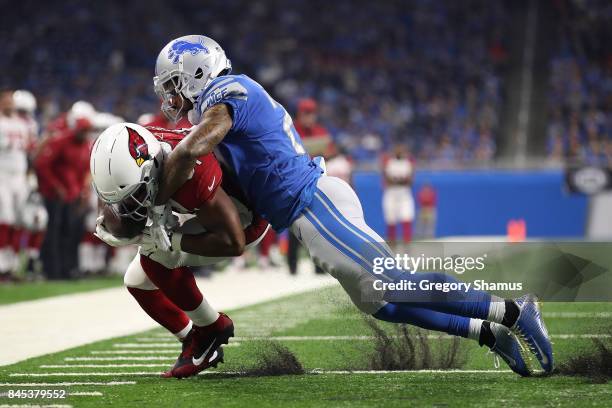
[(580, 97), (427, 75), (368, 84)]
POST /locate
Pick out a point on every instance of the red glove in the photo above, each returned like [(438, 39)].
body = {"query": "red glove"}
[(256, 229)]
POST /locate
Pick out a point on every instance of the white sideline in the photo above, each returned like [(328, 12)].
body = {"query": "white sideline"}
[(68, 384), (67, 321)]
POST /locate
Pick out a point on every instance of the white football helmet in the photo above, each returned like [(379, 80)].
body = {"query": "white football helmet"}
[(80, 110), (24, 101), (185, 66), (125, 164)]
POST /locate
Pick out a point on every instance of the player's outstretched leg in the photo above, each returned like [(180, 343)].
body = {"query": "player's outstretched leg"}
[(498, 338), (338, 239), (202, 345)]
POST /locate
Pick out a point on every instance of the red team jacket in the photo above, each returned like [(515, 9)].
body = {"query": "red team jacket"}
[(203, 185), (63, 163)]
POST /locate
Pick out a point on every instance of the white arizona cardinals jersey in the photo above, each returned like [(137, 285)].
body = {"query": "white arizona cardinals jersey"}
[(14, 136), (398, 170)]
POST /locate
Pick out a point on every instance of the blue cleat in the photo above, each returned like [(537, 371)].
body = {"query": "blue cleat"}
[(531, 331), (510, 350)]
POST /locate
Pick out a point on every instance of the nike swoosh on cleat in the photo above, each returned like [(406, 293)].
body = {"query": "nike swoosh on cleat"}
[(544, 358), (214, 355), (200, 360)]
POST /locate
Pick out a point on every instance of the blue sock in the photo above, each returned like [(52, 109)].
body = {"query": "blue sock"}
[(424, 318), (472, 303)]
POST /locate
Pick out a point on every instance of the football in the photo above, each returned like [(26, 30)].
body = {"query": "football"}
[(121, 227)]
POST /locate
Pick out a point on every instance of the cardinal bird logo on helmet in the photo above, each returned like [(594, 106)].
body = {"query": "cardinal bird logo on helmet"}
[(138, 147)]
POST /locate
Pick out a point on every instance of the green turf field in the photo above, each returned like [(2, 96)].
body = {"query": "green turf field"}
[(19, 292), (333, 343)]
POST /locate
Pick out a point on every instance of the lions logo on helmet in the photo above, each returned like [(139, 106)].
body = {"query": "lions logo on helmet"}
[(138, 147), (180, 47)]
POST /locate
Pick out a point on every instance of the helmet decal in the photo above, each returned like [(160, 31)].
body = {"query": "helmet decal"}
[(137, 146), (180, 47)]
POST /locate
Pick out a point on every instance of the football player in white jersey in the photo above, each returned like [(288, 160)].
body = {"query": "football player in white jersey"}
[(14, 135), (25, 106), (398, 203)]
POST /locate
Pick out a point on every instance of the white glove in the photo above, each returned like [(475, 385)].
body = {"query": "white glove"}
[(110, 239), (170, 257), (158, 229)]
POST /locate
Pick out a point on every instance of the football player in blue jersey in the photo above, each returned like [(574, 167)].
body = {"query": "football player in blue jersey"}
[(254, 136)]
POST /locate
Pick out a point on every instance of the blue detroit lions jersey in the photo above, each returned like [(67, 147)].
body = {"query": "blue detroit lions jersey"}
[(263, 149)]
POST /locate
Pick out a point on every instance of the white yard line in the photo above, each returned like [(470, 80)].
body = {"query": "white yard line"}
[(139, 365), (88, 374), (85, 394), (173, 345), (454, 371), (68, 384), (118, 352), (34, 406), (92, 316), (577, 315), (121, 358), (316, 371), (430, 336), (163, 345)]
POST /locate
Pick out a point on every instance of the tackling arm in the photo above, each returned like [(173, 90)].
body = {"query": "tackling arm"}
[(179, 165)]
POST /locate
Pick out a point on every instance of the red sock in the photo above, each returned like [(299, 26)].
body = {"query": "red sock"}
[(35, 239), (161, 309), (407, 231), (178, 284), (16, 235), (391, 232), (4, 235)]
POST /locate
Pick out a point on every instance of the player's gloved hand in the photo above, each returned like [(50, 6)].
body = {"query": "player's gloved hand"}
[(256, 230), (110, 239), (159, 216), (171, 257)]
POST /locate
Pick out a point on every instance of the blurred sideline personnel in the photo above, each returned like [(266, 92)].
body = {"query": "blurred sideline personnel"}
[(398, 203), (255, 136), (338, 164), (428, 200), (217, 223), (159, 120), (33, 214), (316, 140), (62, 165), (14, 140), (25, 106)]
